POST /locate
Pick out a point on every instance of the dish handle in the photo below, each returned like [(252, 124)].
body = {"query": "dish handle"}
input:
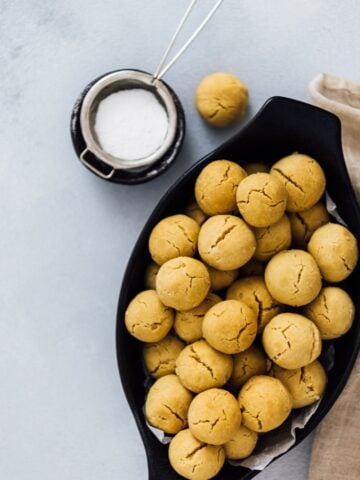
[(89, 159)]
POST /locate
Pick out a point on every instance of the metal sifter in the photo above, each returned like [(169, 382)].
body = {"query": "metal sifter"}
[(85, 140)]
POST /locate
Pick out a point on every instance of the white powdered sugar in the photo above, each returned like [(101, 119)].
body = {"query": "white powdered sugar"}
[(131, 124)]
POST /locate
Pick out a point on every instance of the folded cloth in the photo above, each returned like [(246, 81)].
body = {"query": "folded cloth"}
[(335, 454)]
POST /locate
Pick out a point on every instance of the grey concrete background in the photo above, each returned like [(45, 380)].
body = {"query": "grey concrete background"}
[(65, 236)]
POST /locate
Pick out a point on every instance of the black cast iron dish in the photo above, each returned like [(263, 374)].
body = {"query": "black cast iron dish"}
[(134, 175), (282, 126)]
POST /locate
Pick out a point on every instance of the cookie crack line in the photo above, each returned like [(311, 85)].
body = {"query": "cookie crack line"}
[(159, 365), (178, 224), (237, 337), (289, 179), (212, 424), (300, 272), (174, 246), (262, 192), (225, 176), (313, 345), (222, 236), (174, 413), (196, 357), (345, 264), (197, 449), (255, 417)]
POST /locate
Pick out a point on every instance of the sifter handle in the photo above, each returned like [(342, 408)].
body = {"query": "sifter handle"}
[(89, 163)]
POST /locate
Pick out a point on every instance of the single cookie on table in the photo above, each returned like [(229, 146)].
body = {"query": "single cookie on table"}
[(160, 357), (167, 404), (261, 199), (335, 250), (215, 187), (147, 318), (230, 326), (173, 237), (264, 403), (150, 275), (291, 340), (200, 367), (193, 459), (256, 167), (188, 324), (304, 224), (306, 385), (226, 242), (194, 211), (182, 283), (214, 416), (247, 364), (293, 277), (220, 279), (333, 312), (303, 178), (251, 268), (273, 239), (221, 99), (253, 292), (241, 444)]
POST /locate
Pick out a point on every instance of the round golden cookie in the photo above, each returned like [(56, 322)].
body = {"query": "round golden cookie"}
[(241, 444), (247, 364), (261, 199), (333, 312), (194, 211), (220, 279), (188, 325), (226, 242), (230, 326), (221, 99), (167, 404), (293, 277), (200, 367), (256, 167), (303, 179), (214, 416), (273, 239), (335, 250), (193, 459), (147, 318), (252, 267), (291, 340), (306, 385), (253, 292), (304, 224), (264, 403), (150, 275), (215, 187), (172, 237), (182, 283), (160, 357)]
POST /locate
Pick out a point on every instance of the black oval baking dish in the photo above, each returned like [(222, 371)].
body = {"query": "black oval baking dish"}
[(281, 127)]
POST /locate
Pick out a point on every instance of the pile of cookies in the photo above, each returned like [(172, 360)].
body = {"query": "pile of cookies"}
[(238, 301)]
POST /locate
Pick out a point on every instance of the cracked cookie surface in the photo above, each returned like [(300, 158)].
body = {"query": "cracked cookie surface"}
[(215, 187), (200, 367), (253, 291), (160, 357), (188, 324), (226, 242), (273, 239), (167, 404), (221, 99), (291, 340), (214, 416), (304, 224), (261, 199), (172, 237), (241, 444), (333, 312), (293, 277), (303, 178), (193, 459), (182, 283), (147, 318), (335, 250), (306, 385), (264, 403), (247, 364), (230, 326)]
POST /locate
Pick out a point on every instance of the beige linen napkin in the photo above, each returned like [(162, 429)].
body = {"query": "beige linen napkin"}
[(336, 448)]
